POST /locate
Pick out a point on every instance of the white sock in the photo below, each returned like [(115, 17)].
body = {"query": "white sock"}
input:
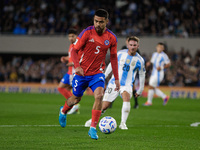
[(126, 107), (150, 95), (62, 112), (159, 93)]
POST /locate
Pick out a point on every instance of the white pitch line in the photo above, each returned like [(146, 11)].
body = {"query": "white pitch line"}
[(169, 126), (2, 126)]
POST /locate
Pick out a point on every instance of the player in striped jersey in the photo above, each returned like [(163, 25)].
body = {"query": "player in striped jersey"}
[(160, 61), (129, 62)]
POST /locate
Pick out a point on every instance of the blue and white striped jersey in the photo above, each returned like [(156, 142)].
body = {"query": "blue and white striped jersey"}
[(127, 68), (159, 60)]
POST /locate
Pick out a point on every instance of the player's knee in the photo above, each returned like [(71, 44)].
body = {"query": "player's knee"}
[(98, 96), (127, 109), (151, 87)]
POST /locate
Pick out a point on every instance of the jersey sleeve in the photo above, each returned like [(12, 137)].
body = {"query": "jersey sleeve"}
[(113, 48), (81, 40), (108, 70), (166, 59), (152, 58), (113, 58), (69, 52), (78, 44), (142, 72)]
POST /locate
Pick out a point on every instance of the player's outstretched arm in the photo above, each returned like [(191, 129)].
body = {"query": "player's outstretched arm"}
[(142, 81), (108, 70), (167, 65), (117, 85), (64, 59), (70, 64)]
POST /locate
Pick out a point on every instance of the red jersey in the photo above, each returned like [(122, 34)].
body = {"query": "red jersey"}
[(94, 48), (70, 68)]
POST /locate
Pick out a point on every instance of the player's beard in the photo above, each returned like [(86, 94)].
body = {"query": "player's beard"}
[(133, 52), (99, 30)]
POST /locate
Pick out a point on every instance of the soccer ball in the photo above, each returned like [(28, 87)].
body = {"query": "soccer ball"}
[(107, 125)]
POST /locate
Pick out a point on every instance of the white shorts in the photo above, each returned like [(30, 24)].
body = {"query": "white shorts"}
[(156, 79), (110, 93)]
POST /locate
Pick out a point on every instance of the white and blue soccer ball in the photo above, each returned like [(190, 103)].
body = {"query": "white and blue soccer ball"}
[(107, 125)]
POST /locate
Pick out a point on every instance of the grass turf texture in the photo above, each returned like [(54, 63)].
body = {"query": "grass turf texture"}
[(154, 127)]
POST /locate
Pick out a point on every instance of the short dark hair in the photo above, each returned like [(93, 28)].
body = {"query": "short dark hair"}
[(101, 13), (72, 31), (164, 45), (160, 43)]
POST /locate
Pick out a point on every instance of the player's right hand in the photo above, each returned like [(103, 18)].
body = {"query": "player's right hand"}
[(158, 68), (64, 59), (117, 85), (79, 71)]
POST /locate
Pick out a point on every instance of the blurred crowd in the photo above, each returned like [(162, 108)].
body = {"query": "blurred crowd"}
[(184, 71), (167, 18), (27, 69)]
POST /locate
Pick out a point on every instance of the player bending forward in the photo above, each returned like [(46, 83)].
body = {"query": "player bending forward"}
[(94, 43), (129, 62)]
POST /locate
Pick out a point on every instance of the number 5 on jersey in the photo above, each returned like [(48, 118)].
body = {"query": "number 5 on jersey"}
[(98, 49)]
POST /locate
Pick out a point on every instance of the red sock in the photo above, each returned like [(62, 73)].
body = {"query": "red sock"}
[(95, 117), (66, 108), (65, 92)]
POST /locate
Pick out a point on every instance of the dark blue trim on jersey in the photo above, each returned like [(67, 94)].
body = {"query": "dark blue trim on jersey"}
[(88, 28), (112, 34)]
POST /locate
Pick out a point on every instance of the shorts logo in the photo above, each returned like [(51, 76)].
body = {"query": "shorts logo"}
[(106, 42), (101, 78)]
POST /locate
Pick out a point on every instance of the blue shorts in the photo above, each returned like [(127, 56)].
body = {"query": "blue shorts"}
[(67, 79), (80, 83)]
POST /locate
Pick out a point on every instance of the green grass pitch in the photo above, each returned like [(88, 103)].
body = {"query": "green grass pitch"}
[(30, 121)]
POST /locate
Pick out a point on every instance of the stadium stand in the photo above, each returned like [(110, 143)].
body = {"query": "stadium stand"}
[(167, 18), (163, 18)]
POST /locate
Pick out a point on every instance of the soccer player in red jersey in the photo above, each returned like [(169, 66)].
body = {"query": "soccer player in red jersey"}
[(93, 42), (65, 84)]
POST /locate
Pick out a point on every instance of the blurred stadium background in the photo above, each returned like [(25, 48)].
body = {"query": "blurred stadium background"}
[(33, 36)]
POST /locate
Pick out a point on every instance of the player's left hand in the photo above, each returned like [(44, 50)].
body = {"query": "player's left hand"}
[(117, 85), (158, 68), (137, 95)]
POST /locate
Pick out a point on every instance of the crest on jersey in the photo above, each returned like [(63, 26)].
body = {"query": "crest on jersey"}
[(133, 63), (122, 61), (128, 61), (106, 42)]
